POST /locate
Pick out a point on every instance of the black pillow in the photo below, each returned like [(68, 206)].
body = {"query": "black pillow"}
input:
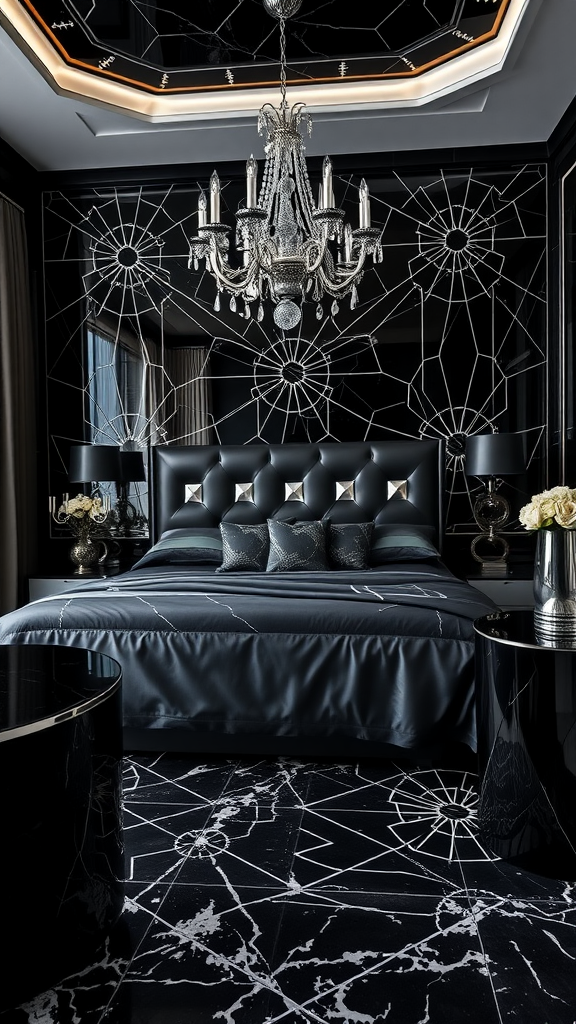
[(348, 545), (193, 546), (244, 547), (397, 543), (297, 547)]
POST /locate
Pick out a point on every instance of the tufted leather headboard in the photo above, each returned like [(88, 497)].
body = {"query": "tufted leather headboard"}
[(384, 481)]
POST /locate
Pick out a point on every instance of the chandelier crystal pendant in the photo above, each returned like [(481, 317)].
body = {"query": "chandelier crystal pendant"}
[(290, 249)]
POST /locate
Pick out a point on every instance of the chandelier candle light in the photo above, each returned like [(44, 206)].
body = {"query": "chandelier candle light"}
[(290, 248)]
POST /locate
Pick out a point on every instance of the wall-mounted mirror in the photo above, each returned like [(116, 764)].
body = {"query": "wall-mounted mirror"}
[(567, 317), (448, 337)]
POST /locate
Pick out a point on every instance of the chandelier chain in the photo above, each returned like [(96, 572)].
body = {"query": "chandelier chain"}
[(283, 61)]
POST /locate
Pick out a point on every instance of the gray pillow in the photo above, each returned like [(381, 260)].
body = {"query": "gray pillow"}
[(297, 547), (193, 546), (244, 547), (348, 545), (396, 543)]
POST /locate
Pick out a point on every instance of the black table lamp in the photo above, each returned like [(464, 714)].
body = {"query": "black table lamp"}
[(131, 471), (90, 463), (490, 457), (131, 467)]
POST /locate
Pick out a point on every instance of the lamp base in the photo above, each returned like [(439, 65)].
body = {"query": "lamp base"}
[(497, 568), (490, 550)]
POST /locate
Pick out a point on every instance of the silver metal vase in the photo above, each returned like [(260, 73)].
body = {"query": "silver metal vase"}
[(86, 550), (555, 586)]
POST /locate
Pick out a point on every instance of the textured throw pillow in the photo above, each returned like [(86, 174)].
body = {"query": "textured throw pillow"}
[(244, 547), (348, 545), (400, 543), (297, 547), (194, 546)]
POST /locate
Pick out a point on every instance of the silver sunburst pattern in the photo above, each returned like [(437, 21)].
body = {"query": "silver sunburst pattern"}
[(122, 243), (315, 385), (131, 264), (457, 259), (438, 815)]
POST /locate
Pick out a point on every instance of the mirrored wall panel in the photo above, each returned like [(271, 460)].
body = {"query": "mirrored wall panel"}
[(568, 316), (446, 337)]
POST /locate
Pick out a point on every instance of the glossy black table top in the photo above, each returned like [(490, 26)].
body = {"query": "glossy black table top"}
[(516, 628), (41, 686)]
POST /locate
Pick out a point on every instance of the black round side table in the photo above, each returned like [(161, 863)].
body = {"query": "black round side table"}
[(526, 717), (61, 857)]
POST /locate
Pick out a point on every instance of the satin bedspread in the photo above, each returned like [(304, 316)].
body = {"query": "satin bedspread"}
[(384, 655)]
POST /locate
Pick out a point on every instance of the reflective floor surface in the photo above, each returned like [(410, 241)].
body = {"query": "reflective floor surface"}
[(292, 891)]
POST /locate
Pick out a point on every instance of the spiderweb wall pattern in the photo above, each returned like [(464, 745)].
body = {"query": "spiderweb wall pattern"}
[(471, 270), (448, 338)]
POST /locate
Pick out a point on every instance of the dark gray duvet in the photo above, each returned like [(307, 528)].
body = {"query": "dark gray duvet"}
[(382, 655)]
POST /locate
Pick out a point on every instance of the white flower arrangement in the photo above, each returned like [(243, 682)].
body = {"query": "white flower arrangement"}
[(82, 507), (550, 510)]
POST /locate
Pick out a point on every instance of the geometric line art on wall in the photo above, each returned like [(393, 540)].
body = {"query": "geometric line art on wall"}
[(448, 338), (297, 382), (482, 323), (128, 258)]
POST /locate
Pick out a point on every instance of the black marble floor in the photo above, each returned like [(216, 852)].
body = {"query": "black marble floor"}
[(291, 891)]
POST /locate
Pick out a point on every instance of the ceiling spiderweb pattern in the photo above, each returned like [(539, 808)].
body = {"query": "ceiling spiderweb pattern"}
[(163, 50), (448, 338)]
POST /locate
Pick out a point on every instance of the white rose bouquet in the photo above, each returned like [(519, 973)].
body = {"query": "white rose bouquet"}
[(550, 510), (82, 514), (83, 507)]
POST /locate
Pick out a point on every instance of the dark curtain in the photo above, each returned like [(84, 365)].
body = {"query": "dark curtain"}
[(189, 371), (18, 456)]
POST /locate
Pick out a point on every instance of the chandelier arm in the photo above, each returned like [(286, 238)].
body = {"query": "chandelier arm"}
[(264, 255), (312, 268), (225, 274)]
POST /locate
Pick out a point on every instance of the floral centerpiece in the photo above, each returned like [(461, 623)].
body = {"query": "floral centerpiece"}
[(83, 515), (552, 514), (550, 510)]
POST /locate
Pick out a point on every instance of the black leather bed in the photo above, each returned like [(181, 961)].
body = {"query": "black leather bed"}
[(294, 601)]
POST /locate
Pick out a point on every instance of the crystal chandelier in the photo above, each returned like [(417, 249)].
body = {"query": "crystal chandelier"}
[(289, 248)]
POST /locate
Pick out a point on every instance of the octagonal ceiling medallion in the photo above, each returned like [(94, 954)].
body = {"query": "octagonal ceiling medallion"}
[(221, 57)]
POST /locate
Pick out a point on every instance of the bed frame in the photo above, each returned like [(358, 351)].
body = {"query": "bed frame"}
[(384, 481), (177, 679), (393, 481)]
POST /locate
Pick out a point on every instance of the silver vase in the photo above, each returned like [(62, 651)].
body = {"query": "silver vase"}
[(84, 553), (555, 585)]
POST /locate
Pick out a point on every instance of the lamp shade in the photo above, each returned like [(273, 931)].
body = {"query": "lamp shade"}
[(131, 467), (93, 462), (495, 455)]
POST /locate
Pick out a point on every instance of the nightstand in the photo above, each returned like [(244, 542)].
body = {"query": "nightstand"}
[(507, 592), (48, 584), (526, 714)]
